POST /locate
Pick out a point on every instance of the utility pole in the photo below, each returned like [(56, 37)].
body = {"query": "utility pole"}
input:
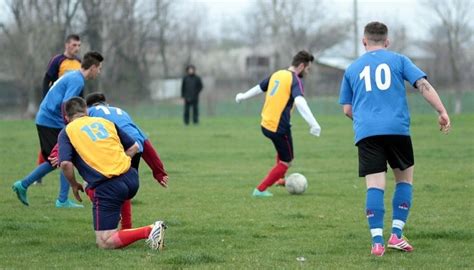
[(356, 31)]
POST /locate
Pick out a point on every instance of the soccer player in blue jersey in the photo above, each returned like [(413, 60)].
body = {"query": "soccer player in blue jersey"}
[(283, 89), (101, 153), (50, 121), (98, 107), (373, 95), (58, 66)]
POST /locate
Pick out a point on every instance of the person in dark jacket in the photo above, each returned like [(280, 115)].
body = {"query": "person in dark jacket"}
[(190, 89)]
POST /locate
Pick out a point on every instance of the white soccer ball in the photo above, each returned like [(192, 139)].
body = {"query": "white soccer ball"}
[(296, 183)]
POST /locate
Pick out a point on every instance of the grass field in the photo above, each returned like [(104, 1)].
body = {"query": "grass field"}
[(213, 221)]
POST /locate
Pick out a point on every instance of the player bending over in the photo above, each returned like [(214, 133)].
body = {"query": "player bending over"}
[(373, 95), (101, 153), (284, 89), (98, 107)]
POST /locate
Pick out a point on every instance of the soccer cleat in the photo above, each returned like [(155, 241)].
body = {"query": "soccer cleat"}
[(20, 192), (377, 250), (261, 194), (280, 182), (68, 204), (399, 243), (156, 238)]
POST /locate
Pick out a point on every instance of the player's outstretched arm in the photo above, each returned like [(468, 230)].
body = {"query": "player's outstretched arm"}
[(430, 94), (307, 115), (68, 169), (254, 91)]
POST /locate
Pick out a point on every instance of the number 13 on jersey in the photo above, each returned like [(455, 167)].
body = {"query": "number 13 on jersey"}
[(381, 85)]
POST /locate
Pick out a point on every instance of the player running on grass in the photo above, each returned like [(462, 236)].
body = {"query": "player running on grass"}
[(101, 153), (50, 121), (58, 66), (373, 95), (284, 89)]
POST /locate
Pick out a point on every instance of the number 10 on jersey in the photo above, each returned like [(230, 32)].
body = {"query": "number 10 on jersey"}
[(382, 85)]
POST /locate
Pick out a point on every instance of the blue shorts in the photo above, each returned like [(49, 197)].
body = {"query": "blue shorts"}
[(283, 144), (108, 197)]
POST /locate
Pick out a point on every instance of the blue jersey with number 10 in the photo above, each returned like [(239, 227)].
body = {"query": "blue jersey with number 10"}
[(374, 86), (121, 119)]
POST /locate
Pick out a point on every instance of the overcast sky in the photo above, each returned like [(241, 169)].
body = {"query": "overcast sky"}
[(407, 12)]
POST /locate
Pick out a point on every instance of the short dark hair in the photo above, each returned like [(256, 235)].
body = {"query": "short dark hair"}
[(72, 37), (75, 105), (188, 67), (302, 57), (94, 98), (376, 32), (90, 59)]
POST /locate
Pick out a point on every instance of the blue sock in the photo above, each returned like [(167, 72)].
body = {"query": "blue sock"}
[(63, 188), (375, 212), (38, 173), (401, 204)]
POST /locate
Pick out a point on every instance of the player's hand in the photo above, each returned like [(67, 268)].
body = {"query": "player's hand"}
[(54, 161), (239, 97), (316, 131), (444, 123), (75, 190), (164, 181)]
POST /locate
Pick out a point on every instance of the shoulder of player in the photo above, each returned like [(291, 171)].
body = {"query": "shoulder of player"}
[(56, 60), (74, 76)]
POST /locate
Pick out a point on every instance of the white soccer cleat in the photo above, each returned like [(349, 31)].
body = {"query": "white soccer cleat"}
[(156, 238)]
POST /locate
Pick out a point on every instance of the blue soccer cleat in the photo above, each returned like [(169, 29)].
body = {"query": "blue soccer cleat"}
[(68, 204), (20, 192), (261, 194)]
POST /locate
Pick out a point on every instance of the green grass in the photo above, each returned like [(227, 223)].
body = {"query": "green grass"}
[(213, 221)]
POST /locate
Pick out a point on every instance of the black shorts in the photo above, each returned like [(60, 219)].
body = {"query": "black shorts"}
[(283, 144), (136, 160), (376, 151), (48, 138)]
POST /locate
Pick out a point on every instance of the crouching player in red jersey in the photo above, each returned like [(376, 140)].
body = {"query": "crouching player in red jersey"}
[(102, 153), (283, 90)]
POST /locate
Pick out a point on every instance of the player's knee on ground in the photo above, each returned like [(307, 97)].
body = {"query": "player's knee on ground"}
[(104, 240)]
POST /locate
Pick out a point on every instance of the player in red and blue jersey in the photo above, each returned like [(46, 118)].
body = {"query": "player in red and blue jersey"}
[(98, 107), (373, 95), (58, 66), (62, 63), (283, 89), (50, 121), (101, 153)]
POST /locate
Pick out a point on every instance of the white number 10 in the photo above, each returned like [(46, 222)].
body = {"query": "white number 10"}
[(365, 75)]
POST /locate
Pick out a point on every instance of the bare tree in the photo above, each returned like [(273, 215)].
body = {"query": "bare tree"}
[(38, 29), (292, 25), (164, 22), (455, 17)]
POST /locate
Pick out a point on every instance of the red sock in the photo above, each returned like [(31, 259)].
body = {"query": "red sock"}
[(126, 215), (40, 158), (153, 160), (276, 173), (124, 238)]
